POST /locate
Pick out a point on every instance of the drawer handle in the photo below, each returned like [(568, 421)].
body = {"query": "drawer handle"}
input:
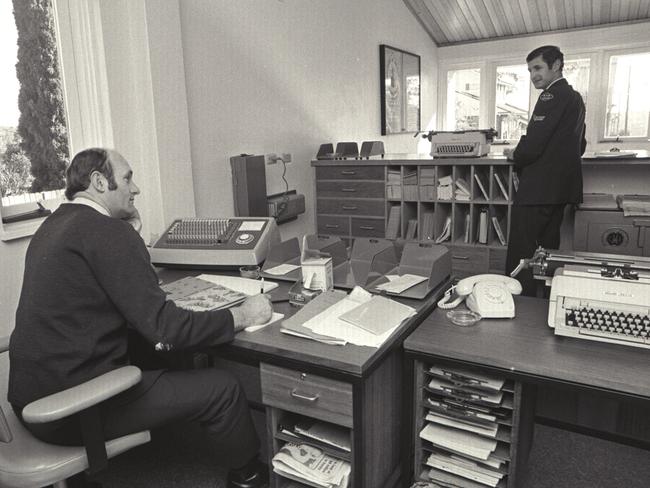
[(349, 207), (295, 394), (348, 172), (464, 258), (348, 190), (366, 227), (331, 226)]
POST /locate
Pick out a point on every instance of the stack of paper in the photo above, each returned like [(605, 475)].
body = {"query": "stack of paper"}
[(445, 235), (467, 425), (445, 188), (634, 205), (307, 464), (394, 221), (462, 189), (426, 232), (427, 175)]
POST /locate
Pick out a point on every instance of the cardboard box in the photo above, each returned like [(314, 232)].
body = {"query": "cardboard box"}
[(317, 273)]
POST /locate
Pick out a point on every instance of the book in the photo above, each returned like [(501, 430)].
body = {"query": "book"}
[(480, 185), (504, 192), (482, 227), (411, 228), (497, 228), (393, 225), (378, 315), (467, 229)]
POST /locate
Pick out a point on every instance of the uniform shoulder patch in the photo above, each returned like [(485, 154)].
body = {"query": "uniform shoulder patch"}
[(538, 118), (546, 96)]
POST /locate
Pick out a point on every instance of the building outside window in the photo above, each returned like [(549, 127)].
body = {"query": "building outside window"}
[(512, 101), (463, 99), (628, 103)]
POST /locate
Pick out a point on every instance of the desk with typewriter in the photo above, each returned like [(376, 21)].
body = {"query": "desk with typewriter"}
[(526, 352)]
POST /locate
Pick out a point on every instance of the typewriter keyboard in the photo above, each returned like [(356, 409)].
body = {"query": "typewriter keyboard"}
[(627, 325)]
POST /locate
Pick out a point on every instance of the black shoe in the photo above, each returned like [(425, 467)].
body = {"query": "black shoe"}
[(251, 476)]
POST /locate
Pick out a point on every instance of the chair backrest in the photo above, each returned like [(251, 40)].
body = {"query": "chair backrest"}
[(5, 431)]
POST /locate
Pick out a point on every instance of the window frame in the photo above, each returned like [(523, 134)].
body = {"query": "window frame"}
[(80, 50), (604, 81)]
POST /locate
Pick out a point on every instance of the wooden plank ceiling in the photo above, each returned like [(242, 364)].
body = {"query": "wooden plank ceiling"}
[(451, 22)]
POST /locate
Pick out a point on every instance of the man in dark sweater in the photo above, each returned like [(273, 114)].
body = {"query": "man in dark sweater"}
[(88, 282), (548, 163)]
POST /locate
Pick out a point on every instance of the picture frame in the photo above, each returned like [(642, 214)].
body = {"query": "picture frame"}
[(400, 90)]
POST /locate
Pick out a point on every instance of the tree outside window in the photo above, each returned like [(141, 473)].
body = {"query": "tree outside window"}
[(33, 132)]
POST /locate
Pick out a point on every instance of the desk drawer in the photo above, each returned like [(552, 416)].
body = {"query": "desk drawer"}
[(469, 259), (350, 173), (350, 207), (368, 227), (339, 226), (350, 189), (307, 394)]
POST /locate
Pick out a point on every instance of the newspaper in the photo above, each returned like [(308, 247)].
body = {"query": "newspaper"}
[(309, 465)]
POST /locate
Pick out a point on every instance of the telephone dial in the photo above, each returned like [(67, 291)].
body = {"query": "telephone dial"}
[(489, 295)]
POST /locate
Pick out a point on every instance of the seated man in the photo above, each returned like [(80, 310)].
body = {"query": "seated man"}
[(88, 282)]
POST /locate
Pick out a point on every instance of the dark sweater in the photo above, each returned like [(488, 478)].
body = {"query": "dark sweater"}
[(88, 277)]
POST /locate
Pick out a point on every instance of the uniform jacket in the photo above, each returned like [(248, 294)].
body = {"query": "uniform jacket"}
[(548, 158), (88, 279)]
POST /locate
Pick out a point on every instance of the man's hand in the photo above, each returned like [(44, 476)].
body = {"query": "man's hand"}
[(255, 310), (135, 220), (507, 152)]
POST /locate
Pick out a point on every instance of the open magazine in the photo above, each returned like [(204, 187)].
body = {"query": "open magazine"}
[(309, 465)]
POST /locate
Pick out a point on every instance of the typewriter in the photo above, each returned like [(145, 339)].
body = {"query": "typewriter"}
[(600, 297), (460, 143)]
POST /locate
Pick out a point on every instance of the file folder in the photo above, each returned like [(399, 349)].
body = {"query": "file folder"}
[(422, 259), (370, 258)]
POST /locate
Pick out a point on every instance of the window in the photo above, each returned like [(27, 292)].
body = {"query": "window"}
[(628, 103), (463, 99), (512, 101), (576, 72), (33, 131)]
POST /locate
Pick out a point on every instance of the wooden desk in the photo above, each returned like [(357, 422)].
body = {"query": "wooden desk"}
[(360, 387), (525, 350)]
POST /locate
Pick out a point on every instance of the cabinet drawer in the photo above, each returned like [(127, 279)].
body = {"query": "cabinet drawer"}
[(469, 259), (350, 207), (368, 227), (350, 173), (307, 394), (498, 260), (339, 226), (350, 189)]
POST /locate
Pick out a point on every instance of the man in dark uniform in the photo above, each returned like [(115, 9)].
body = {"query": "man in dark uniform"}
[(548, 163), (88, 283)]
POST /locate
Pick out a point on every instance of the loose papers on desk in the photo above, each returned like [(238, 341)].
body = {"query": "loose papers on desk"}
[(308, 464), (282, 269), (397, 284), (322, 318), (213, 292)]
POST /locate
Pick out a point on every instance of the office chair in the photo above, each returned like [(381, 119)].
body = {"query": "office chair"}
[(26, 462)]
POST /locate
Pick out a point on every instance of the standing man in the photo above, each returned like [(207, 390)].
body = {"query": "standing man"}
[(88, 282), (548, 163)]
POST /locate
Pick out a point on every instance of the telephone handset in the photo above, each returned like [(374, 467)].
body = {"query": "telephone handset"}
[(489, 295)]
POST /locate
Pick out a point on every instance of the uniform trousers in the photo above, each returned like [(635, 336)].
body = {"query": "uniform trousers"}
[(532, 226), (211, 397)]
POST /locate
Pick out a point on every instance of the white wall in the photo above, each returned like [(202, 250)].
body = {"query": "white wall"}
[(287, 76)]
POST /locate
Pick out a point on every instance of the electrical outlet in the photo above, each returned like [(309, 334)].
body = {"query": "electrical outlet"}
[(271, 158), (286, 157)]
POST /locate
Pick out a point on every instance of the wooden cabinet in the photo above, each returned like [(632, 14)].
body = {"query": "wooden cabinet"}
[(464, 199)]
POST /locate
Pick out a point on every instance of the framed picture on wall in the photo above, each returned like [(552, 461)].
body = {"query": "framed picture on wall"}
[(400, 90)]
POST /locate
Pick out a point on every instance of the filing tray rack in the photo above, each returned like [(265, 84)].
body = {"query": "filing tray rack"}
[(450, 394)]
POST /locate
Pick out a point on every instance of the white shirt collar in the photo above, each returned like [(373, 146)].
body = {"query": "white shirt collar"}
[(92, 204), (552, 82)]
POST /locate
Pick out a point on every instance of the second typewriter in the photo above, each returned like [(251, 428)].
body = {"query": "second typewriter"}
[(601, 297)]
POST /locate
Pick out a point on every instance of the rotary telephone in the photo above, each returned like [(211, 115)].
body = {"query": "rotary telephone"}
[(489, 295)]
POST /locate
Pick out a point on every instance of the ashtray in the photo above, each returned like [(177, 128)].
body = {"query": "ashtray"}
[(252, 272), (463, 318)]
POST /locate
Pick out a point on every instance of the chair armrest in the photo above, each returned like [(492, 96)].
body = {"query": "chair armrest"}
[(81, 397)]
